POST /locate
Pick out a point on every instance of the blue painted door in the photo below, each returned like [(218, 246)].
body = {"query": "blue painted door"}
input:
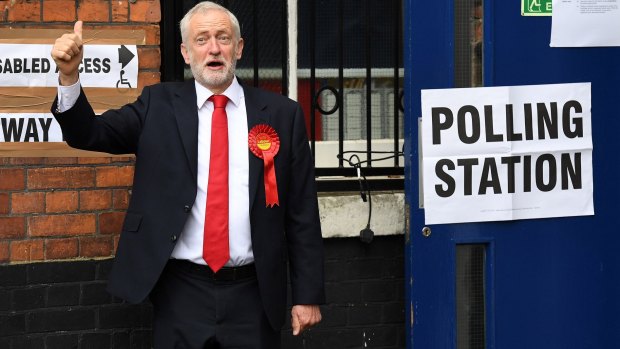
[(546, 283)]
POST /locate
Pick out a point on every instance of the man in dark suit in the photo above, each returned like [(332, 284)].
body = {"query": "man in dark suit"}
[(205, 295)]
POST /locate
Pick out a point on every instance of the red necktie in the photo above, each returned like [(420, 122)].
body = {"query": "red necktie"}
[(215, 250)]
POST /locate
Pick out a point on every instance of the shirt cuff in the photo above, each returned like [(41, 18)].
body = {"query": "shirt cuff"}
[(67, 96)]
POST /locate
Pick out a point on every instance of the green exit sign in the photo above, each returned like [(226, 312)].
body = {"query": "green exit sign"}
[(536, 7)]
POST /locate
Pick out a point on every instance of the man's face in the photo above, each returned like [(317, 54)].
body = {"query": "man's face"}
[(212, 50)]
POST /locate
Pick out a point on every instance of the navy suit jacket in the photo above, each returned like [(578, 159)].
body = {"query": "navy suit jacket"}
[(161, 129)]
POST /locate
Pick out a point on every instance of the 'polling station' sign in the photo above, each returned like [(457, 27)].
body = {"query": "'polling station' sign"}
[(506, 153), (30, 65)]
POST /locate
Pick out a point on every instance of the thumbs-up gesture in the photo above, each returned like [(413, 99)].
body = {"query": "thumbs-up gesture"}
[(67, 53)]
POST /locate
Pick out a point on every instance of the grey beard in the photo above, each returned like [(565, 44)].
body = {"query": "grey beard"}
[(214, 80)]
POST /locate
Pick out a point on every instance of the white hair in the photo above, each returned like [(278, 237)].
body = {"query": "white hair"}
[(204, 7)]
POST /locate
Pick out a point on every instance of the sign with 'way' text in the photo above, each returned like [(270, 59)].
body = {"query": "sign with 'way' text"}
[(506, 153), (31, 65), (29, 127)]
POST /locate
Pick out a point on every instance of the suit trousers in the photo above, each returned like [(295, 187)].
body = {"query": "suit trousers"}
[(196, 311)]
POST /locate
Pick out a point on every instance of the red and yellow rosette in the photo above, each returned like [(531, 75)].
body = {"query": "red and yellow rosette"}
[(265, 143)]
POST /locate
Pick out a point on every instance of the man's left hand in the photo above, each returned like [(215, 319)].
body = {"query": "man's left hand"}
[(303, 317)]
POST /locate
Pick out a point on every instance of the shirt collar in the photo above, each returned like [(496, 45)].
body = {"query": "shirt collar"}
[(234, 92)]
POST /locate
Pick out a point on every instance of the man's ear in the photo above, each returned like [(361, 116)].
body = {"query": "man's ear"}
[(185, 53), (239, 48)]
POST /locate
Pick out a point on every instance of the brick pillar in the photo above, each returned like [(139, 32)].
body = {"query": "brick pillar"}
[(68, 208)]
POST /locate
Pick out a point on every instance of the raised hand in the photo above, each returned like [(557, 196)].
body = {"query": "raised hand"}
[(67, 53)]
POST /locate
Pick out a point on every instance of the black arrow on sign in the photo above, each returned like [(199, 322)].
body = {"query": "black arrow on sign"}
[(124, 56)]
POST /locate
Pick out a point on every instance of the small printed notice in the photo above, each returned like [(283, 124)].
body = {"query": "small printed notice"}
[(29, 127), (583, 23), (507, 153), (30, 65)]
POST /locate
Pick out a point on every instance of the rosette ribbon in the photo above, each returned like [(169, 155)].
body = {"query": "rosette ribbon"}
[(265, 143)]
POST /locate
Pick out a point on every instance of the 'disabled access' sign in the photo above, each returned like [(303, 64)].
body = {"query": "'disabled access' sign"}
[(30, 65)]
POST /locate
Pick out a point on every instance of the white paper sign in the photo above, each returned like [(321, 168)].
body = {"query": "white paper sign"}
[(579, 23), (506, 153), (30, 65), (29, 127)]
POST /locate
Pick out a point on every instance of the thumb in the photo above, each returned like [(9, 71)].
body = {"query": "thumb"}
[(295, 324), (77, 28)]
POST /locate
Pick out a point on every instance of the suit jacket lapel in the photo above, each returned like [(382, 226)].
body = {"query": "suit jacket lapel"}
[(257, 114), (186, 113)]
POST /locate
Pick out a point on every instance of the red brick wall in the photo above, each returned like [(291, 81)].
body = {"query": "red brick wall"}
[(70, 208)]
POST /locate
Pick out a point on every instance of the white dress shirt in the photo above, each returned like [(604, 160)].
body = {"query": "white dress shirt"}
[(67, 96), (189, 244)]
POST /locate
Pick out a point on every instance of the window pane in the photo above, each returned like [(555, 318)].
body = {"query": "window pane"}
[(468, 37), (354, 47), (470, 296)]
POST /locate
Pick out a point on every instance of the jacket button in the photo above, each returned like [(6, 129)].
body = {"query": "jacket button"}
[(186, 208), (173, 238)]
